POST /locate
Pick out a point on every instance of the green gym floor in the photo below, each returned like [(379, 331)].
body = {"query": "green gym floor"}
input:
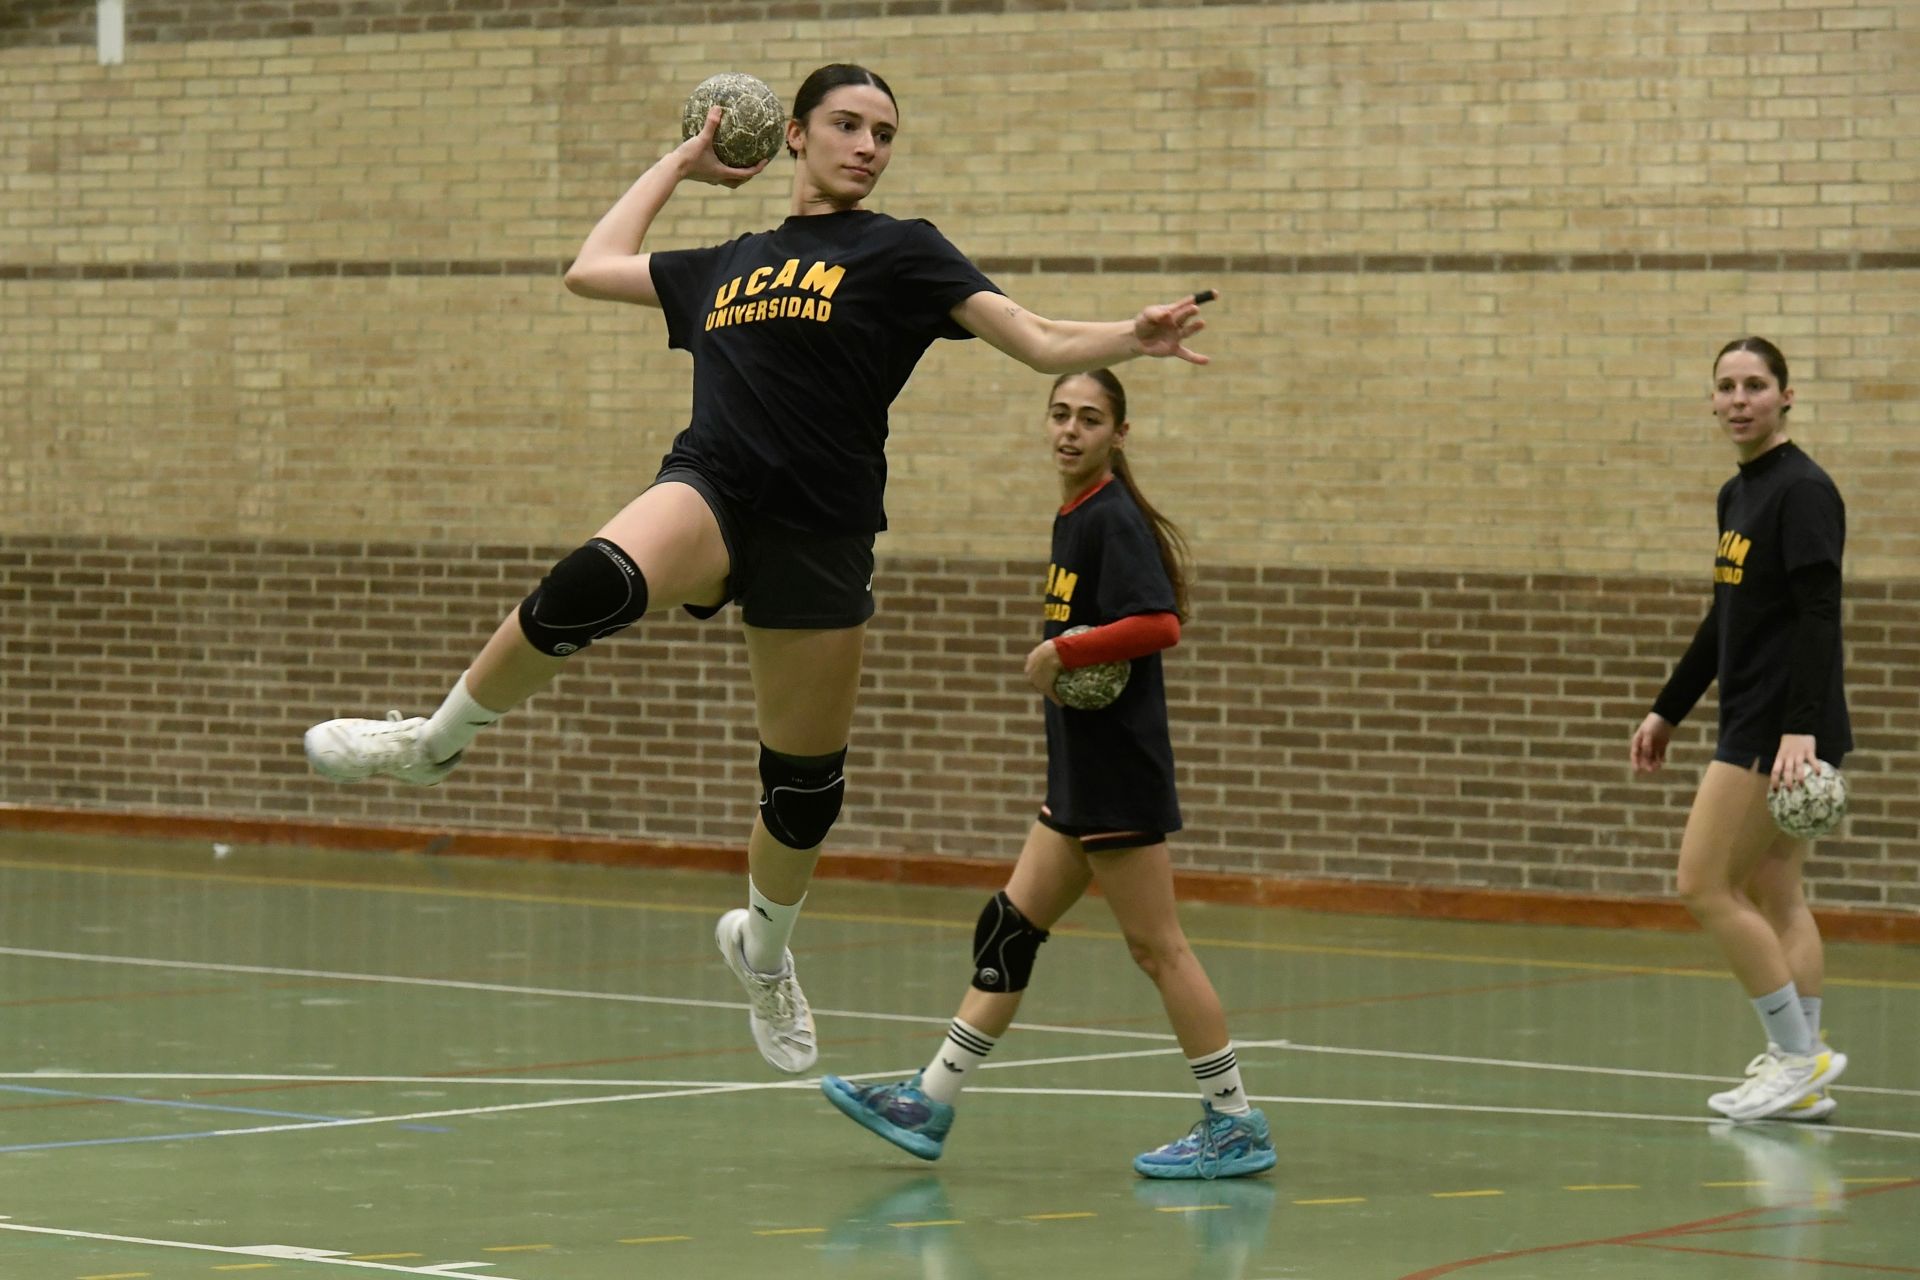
[(293, 1063)]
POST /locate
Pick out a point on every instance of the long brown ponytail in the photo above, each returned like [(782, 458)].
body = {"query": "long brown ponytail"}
[(1175, 556)]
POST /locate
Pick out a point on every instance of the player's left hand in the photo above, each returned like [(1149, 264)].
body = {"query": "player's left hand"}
[(1793, 761), (1163, 330), (1043, 668)]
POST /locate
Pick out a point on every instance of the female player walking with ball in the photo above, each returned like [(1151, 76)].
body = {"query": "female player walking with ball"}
[(801, 337), (1110, 804), (1772, 638)]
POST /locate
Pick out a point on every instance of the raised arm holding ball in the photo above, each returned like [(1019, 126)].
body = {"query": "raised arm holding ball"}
[(801, 338)]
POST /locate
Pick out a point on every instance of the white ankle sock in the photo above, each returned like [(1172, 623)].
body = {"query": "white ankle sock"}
[(1219, 1077), (1810, 1010), (1780, 1014), (456, 724), (965, 1048), (769, 925)]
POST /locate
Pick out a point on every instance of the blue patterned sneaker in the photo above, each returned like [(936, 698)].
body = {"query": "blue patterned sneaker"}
[(1219, 1146), (898, 1112)]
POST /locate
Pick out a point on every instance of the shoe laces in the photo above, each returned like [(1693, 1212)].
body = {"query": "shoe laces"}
[(1204, 1140), (390, 741), (773, 996)]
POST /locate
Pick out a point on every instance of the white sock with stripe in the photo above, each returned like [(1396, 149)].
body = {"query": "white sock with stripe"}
[(965, 1048), (1219, 1078)]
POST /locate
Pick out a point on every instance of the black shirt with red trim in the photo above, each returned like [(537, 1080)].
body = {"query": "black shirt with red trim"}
[(1110, 769), (801, 338)]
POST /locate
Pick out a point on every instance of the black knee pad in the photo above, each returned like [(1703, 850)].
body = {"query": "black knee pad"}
[(594, 591), (1004, 943), (800, 795)]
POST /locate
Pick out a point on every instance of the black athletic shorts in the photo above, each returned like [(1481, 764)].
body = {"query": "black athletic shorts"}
[(1094, 840), (785, 578)]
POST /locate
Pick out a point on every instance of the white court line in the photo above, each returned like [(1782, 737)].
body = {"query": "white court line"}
[(503, 988), (1159, 1037), (1390, 1104), (1525, 1065), (226, 1077), (279, 1252)]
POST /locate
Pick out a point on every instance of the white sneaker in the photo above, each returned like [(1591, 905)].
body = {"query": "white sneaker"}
[(1725, 1101), (1817, 1105), (781, 1020), (1782, 1080), (348, 750)]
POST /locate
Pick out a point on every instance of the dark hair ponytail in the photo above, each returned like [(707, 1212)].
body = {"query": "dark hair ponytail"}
[(1175, 557), (1776, 362), (825, 80)]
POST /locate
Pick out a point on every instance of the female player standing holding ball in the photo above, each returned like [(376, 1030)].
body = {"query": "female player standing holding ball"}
[(1772, 637), (1117, 565), (801, 337)]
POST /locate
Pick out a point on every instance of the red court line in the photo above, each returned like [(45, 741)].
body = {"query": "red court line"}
[(1781, 1257), (1679, 1229)]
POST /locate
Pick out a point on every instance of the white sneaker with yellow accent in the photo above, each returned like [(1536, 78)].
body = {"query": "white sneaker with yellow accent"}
[(1779, 1080)]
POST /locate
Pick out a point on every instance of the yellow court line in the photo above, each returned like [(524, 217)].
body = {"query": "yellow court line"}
[(120, 1275), (1189, 1208), (1335, 1200), (514, 1248), (932, 1222), (792, 1231), (654, 1239), (246, 1266), (1876, 1181), (1733, 1184), (923, 922), (1463, 1195), (1056, 1217), (1606, 1186)]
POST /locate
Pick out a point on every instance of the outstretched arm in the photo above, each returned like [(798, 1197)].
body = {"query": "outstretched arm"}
[(610, 266), (1074, 346)]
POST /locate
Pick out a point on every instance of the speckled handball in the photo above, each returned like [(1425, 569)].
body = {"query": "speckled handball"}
[(1091, 688), (753, 125), (1812, 807)]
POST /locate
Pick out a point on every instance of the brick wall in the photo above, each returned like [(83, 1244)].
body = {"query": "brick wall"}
[(1440, 727), (292, 406)]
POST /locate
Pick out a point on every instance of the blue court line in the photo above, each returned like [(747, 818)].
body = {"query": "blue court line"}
[(163, 1102)]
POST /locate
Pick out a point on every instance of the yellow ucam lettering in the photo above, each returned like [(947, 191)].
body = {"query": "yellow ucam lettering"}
[(757, 279), (822, 279), (1734, 547), (728, 292), (787, 272), (1061, 583)]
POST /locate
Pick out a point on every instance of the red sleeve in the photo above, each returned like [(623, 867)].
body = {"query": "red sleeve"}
[(1129, 638)]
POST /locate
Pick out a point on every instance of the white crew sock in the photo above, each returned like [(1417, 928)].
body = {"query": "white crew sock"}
[(965, 1048), (456, 724), (1786, 1026), (769, 925), (1219, 1077)]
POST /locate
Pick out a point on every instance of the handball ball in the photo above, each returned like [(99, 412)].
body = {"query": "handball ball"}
[(753, 125), (1812, 807), (1091, 688)]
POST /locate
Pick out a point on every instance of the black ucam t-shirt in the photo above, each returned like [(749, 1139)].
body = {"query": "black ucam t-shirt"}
[(1779, 514), (1111, 769), (801, 338)]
